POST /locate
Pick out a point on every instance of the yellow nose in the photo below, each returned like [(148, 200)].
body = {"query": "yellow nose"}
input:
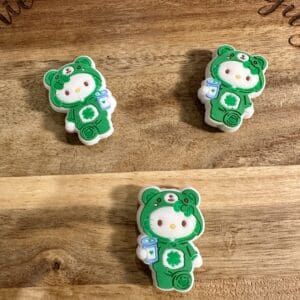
[(238, 76), (172, 226), (77, 90)]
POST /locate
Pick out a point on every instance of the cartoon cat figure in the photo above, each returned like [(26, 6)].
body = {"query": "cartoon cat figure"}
[(233, 78), (169, 220), (79, 90)]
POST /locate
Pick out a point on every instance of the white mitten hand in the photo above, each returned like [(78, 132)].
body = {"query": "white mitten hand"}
[(141, 253), (197, 262), (70, 126), (202, 92)]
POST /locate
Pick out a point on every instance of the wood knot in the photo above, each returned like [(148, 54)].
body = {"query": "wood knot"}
[(56, 265), (230, 239)]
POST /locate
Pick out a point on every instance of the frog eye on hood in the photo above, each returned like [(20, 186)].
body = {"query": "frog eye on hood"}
[(242, 57), (68, 71)]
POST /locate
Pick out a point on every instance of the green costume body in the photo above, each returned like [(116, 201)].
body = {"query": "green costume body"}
[(173, 220), (79, 90), (223, 112), (89, 118), (233, 79), (176, 276)]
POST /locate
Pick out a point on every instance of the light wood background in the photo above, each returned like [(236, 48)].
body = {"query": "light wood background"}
[(75, 236), (153, 55)]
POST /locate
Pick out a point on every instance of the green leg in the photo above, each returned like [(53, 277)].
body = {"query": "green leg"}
[(164, 280), (103, 126), (182, 281), (217, 113), (230, 118)]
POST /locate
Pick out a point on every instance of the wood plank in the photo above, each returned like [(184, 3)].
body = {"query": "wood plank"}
[(76, 234), (262, 288), (153, 56)]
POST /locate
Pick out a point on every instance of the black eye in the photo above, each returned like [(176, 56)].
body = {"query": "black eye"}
[(159, 222), (255, 62), (67, 92), (158, 200), (56, 77), (78, 67), (186, 200), (183, 223), (86, 83), (227, 71), (248, 78)]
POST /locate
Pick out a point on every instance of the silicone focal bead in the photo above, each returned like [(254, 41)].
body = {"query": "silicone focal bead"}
[(79, 90), (233, 79), (169, 221)]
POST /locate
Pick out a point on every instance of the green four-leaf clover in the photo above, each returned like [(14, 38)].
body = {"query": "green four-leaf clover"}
[(173, 258)]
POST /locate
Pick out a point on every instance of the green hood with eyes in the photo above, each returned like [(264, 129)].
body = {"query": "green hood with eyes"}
[(55, 79), (152, 199)]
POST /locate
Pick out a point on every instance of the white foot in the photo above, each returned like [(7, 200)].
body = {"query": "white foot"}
[(249, 112), (197, 262)]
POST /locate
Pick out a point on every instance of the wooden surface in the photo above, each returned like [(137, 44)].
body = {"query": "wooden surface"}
[(74, 236), (153, 54)]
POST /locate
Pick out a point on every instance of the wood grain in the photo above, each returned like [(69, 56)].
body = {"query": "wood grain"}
[(74, 236), (153, 54)]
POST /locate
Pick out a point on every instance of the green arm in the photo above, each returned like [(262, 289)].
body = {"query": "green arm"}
[(247, 101), (191, 251), (70, 116)]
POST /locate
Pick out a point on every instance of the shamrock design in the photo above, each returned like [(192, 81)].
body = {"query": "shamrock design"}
[(88, 113), (184, 206), (173, 258), (230, 100)]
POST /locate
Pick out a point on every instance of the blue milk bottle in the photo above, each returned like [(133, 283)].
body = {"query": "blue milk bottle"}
[(150, 245), (103, 99), (213, 88)]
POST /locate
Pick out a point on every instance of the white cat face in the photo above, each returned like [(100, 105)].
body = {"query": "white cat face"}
[(234, 73), (170, 224), (77, 89)]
